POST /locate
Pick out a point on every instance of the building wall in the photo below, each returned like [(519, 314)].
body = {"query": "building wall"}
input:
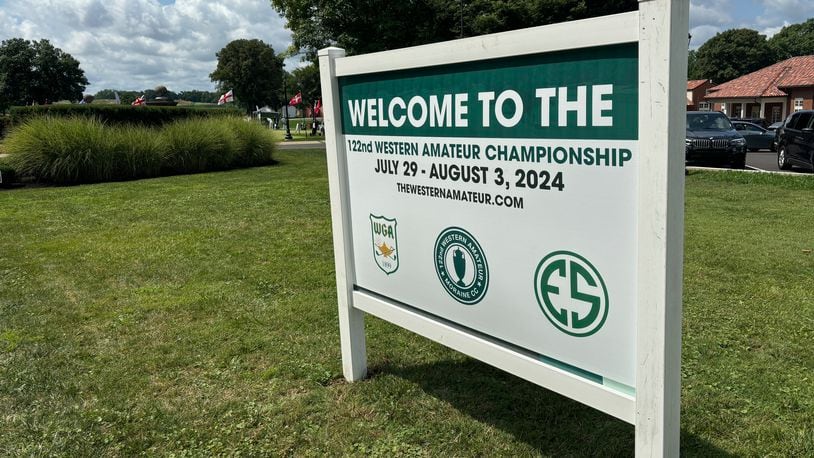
[(770, 108), (750, 108), (697, 95), (807, 94)]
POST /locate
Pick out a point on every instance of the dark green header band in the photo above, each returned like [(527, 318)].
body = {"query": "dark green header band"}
[(582, 94)]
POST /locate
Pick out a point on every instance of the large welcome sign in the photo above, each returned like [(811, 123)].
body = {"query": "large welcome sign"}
[(499, 195), (515, 197)]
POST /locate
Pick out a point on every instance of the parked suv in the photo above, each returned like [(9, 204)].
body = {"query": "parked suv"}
[(711, 138), (795, 141)]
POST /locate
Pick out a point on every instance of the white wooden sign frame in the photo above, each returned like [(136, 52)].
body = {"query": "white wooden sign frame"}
[(660, 28)]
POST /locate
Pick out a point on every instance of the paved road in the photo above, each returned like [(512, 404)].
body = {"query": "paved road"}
[(301, 145), (767, 160), (763, 160)]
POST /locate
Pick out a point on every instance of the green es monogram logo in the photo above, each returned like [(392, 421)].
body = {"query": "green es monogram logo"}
[(571, 293), (461, 265)]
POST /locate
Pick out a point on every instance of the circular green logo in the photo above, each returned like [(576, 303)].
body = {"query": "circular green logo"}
[(571, 293), (461, 265)]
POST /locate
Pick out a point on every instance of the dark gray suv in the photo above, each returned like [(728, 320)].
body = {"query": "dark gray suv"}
[(795, 141), (712, 139)]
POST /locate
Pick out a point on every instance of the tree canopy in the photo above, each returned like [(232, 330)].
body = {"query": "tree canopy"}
[(199, 96), (252, 71), (692, 66), (361, 26), (733, 53), (794, 40), (128, 97), (36, 71)]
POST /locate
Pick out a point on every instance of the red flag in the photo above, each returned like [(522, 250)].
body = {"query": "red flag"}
[(226, 98), (139, 101), (296, 100), (318, 107)]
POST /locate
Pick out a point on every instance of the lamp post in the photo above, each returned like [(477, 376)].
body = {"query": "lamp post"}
[(285, 96)]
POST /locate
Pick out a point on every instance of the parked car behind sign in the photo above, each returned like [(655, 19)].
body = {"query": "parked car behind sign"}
[(759, 121), (712, 139), (795, 141), (756, 137)]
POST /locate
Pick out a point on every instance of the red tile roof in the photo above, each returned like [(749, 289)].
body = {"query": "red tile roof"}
[(768, 82), (693, 84)]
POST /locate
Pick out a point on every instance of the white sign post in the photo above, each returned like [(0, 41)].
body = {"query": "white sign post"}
[(518, 197)]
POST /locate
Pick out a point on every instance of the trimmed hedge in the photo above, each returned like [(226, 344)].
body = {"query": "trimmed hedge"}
[(80, 150), (120, 114)]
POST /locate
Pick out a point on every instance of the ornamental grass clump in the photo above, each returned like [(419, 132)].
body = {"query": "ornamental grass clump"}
[(81, 150), (253, 144), (62, 151), (137, 152), (196, 145)]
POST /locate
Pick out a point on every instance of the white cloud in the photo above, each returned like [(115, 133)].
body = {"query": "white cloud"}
[(771, 31), (138, 44), (702, 33), (781, 13), (708, 17), (713, 12), (776, 12)]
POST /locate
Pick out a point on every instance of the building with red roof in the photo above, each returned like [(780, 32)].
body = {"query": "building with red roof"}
[(696, 91), (771, 93)]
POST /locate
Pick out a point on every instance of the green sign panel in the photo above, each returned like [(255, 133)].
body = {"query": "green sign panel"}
[(582, 94)]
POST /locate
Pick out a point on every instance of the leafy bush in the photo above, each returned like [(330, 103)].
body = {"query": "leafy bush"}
[(121, 114), (80, 150)]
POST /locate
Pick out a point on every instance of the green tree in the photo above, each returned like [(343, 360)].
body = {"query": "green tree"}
[(252, 71), (733, 53), (199, 96), (794, 40), (162, 91), (362, 26), (107, 94), (36, 71), (693, 73)]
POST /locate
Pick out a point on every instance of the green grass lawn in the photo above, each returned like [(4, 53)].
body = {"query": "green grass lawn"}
[(196, 315)]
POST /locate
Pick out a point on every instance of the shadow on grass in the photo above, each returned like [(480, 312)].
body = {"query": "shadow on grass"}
[(548, 422)]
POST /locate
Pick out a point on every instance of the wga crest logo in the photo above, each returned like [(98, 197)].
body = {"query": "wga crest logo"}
[(385, 243), (571, 293), (461, 265)]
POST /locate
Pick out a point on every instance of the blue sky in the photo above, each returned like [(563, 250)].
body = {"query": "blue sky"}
[(709, 17), (138, 44)]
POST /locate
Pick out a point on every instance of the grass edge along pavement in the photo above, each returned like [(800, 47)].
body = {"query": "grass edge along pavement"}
[(196, 315)]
